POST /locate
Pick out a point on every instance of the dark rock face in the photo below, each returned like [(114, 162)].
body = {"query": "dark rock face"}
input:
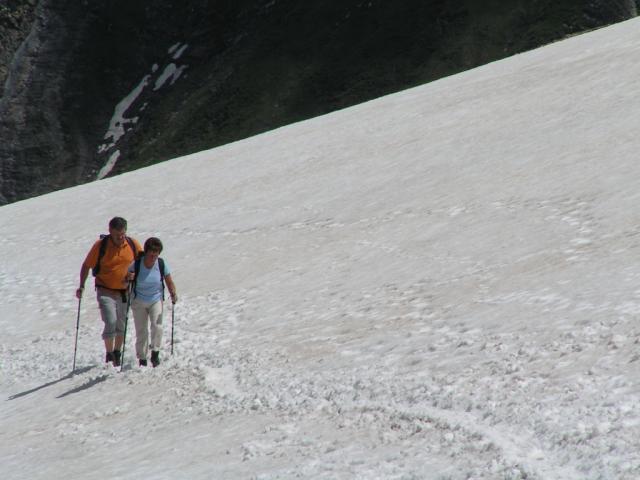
[(90, 89)]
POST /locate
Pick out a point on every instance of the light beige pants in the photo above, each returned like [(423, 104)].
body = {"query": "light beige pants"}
[(147, 315)]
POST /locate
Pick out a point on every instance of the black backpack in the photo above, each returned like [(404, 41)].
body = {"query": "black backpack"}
[(136, 269), (103, 248)]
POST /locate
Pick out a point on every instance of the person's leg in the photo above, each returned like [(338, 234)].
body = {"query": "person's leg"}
[(108, 344), (155, 317), (140, 317), (121, 310), (108, 313)]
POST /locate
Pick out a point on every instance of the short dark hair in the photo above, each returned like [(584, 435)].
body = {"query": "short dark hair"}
[(153, 243), (118, 223)]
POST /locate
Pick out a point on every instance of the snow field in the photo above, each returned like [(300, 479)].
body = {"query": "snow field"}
[(439, 284)]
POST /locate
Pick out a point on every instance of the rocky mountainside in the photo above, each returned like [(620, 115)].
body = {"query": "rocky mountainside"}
[(89, 89)]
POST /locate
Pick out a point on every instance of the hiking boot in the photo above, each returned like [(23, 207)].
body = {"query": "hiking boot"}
[(155, 358), (143, 362), (109, 357), (117, 356)]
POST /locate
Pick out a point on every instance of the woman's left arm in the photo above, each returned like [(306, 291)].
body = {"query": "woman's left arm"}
[(172, 288)]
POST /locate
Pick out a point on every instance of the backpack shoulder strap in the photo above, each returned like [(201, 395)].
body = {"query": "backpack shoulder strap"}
[(161, 265), (104, 239), (133, 248), (136, 265), (136, 271)]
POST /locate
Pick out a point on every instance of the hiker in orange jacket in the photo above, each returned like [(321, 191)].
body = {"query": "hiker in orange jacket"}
[(110, 258)]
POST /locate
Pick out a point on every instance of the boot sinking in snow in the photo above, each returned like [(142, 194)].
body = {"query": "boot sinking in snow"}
[(155, 358)]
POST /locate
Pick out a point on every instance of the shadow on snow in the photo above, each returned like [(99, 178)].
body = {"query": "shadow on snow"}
[(85, 386), (48, 384)]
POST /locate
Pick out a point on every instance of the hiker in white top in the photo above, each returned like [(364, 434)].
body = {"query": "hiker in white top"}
[(149, 275)]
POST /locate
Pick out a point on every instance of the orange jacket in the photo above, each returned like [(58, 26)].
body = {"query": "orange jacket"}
[(114, 263)]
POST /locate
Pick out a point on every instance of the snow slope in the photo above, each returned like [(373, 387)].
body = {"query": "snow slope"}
[(439, 284)]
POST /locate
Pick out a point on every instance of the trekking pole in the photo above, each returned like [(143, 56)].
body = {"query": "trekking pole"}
[(126, 321), (75, 350), (173, 321)]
